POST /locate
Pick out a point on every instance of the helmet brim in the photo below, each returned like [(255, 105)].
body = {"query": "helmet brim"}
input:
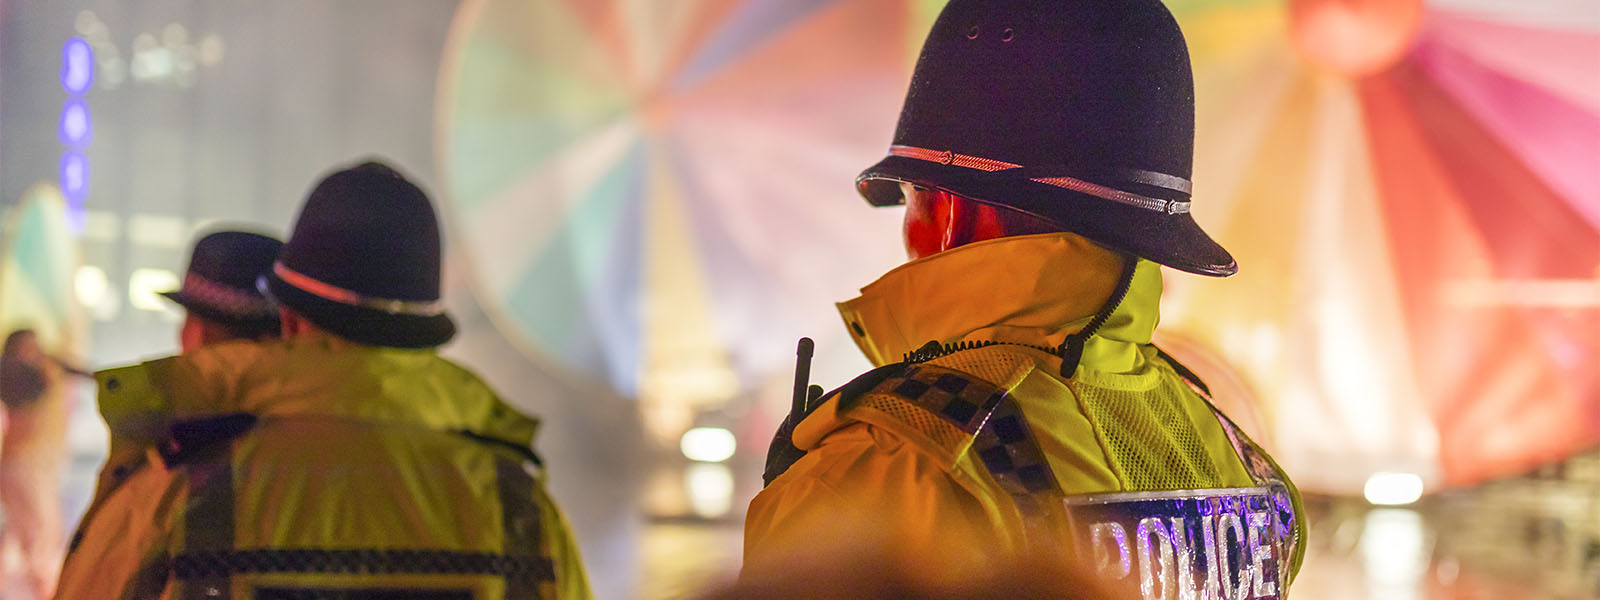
[(360, 324), (1173, 240), (204, 310)]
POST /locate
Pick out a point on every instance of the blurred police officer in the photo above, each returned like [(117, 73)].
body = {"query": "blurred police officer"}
[(347, 460), (1019, 409), (221, 304)]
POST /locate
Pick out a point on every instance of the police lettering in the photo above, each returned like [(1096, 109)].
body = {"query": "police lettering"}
[(1227, 556), (1114, 533)]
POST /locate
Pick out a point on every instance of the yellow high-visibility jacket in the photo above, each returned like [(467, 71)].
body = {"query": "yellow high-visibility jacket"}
[(961, 464), (316, 468)]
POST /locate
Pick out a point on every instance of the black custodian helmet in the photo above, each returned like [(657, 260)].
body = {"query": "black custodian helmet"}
[(1079, 112)]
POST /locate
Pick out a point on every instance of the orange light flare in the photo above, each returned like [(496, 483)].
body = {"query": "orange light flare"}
[(1354, 38)]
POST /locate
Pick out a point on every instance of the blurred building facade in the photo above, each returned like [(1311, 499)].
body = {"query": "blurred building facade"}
[(200, 112)]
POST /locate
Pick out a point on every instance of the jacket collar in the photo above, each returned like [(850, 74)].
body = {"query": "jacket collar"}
[(1031, 289), (300, 378)]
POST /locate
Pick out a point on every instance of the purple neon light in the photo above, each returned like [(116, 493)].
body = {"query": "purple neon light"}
[(75, 127), (77, 66), (73, 175)]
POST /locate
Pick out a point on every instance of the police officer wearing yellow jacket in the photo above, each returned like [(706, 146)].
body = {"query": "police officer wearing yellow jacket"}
[(346, 461), (1019, 409)]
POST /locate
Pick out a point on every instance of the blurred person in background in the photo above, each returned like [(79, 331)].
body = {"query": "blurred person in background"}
[(1018, 409), (32, 452), (346, 460)]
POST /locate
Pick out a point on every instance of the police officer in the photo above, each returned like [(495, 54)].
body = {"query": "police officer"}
[(221, 304), (347, 460), (1019, 409)]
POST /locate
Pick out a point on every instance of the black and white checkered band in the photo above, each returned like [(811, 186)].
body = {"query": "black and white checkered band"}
[(208, 564), (1001, 439), (231, 301), (1152, 178)]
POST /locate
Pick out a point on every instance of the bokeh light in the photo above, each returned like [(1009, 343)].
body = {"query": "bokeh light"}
[(90, 285), (145, 286), (1393, 489), (710, 488), (708, 444)]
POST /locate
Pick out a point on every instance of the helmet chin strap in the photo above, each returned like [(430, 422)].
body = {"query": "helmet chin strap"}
[(1071, 349)]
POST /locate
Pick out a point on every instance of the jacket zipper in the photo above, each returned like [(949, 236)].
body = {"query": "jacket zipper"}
[(934, 349)]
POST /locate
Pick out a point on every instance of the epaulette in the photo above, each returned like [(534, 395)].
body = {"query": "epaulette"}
[(958, 398), (974, 417)]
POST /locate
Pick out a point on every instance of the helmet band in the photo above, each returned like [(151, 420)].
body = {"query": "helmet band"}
[(1170, 207), (333, 293)]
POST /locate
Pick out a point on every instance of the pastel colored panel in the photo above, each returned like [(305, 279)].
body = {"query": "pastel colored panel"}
[(602, 23), (1529, 229), (1479, 364), (1553, 15), (508, 228), (768, 148), (1351, 359), (523, 89), (1564, 61), (1313, 324), (563, 296), (754, 23), (1554, 138)]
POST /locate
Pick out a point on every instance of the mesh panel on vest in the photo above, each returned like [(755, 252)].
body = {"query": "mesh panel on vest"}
[(939, 430), (1152, 441), (996, 364)]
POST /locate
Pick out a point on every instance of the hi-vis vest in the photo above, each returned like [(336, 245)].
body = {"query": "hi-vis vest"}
[(311, 469), (1229, 543)]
